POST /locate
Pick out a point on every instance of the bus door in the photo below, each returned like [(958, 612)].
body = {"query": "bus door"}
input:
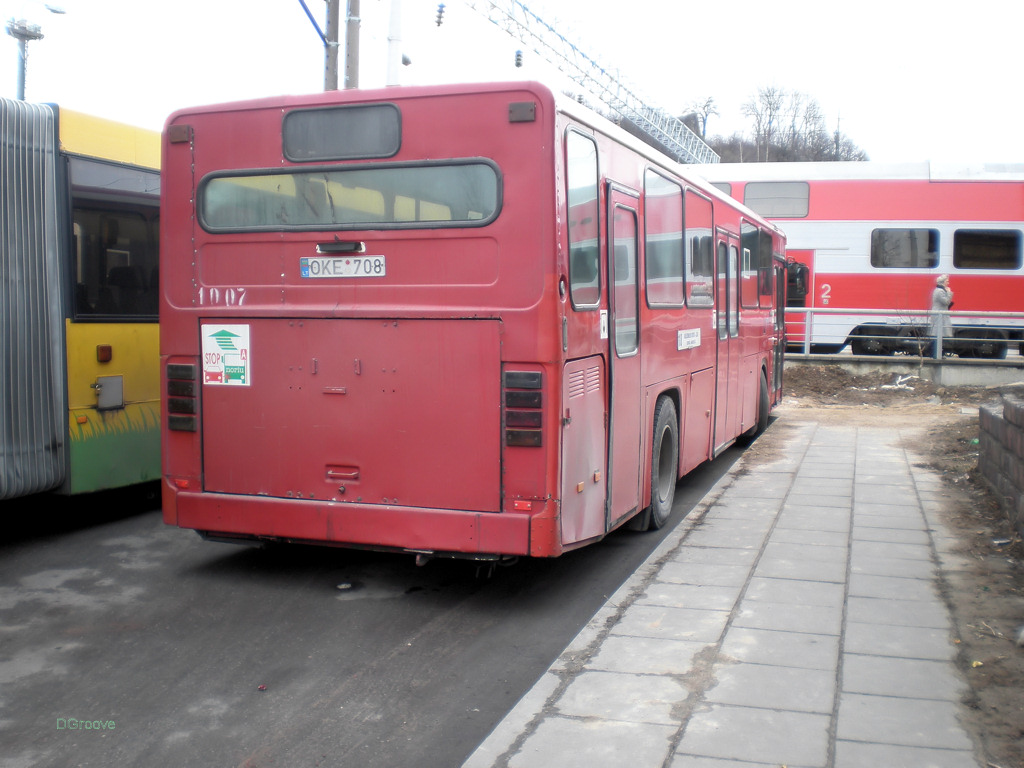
[(624, 423), (727, 400), (779, 314)]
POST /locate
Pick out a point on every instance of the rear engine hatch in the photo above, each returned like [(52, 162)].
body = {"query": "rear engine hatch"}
[(373, 411)]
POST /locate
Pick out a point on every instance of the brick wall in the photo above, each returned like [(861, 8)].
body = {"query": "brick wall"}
[(1001, 459)]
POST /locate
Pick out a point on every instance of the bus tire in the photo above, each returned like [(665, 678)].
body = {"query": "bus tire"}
[(763, 409), (664, 463)]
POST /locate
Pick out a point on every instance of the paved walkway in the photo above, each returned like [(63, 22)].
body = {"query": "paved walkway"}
[(792, 620)]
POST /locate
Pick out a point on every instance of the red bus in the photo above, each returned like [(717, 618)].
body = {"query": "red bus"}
[(472, 321), (873, 237)]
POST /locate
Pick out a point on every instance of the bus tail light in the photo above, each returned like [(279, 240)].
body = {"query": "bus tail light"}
[(524, 412), (182, 398)]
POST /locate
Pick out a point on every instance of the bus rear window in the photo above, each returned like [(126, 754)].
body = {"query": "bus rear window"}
[(987, 249), (461, 193), (342, 133)]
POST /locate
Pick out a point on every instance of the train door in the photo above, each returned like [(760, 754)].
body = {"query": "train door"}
[(624, 432), (727, 378), (799, 295)]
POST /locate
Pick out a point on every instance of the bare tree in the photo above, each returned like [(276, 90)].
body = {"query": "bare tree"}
[(765, 109), (703, 110), (787, 126)]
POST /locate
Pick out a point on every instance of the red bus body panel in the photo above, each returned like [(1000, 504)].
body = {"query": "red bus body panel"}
[(458, 403)]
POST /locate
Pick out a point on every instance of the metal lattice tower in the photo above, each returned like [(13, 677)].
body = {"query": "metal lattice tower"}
[(524, 25)]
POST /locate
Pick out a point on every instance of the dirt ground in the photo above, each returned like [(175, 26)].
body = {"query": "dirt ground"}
[(986, 597)]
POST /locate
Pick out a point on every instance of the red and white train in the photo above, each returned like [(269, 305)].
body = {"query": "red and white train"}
[(873, 237)]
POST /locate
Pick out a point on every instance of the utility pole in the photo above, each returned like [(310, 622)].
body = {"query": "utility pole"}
[(331, 47), (22, 31), (351, 45)]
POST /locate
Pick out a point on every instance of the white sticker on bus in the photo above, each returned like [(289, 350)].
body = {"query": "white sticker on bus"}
[(226, 355), (342, 266), (688, 339)]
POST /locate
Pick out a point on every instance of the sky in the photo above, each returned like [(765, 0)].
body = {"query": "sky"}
[(906, 80)]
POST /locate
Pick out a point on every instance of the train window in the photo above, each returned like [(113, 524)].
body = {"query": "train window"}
[(778, 199), (700, 255), (663, 241), (723, 186), (905, 248), (581, 181), (987, 249)]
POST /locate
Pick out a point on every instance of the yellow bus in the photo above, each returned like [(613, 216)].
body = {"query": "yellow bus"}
[(79, 338)]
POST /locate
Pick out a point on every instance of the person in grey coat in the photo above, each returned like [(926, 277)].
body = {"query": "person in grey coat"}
[(942, 301)]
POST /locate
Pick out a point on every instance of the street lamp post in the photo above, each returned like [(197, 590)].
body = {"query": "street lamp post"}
[(22, 31)]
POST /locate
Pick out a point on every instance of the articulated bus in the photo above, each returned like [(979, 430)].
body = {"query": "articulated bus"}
[(466, 321), (80, 383), (874, 237)]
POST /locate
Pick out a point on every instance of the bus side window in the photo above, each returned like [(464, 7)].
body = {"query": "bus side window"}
[(700, 258), (584, 221)]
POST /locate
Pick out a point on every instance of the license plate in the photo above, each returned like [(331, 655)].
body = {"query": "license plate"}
[(342, 266)]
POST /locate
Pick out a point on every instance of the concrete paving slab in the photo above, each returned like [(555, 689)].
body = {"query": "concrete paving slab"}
[(902, 642), (691, 596), (787, 649), (818, 552), (790, 591), (900, 721), (751, 734), (911, 678), (784, 535), (672, 623), (802, 569), (645, 655), (622, 697), (707, 574), (820, 500), (693, 554), (850, 754), (868, 585), (774, 687), (827, 486), (900, 513), (813, 518), (572, 743), (690, 761), (709, 536), (811, 619), (860, 547), (887, 566), (898, 612), (891, 535), (745, 507)]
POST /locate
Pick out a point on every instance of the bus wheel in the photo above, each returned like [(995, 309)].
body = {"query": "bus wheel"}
[(664, 463), (763, 409)]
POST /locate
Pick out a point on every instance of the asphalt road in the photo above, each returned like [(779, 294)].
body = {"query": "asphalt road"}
[(171, 651)]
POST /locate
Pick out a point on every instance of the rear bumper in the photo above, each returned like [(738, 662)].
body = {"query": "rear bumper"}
[(356, 525)]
